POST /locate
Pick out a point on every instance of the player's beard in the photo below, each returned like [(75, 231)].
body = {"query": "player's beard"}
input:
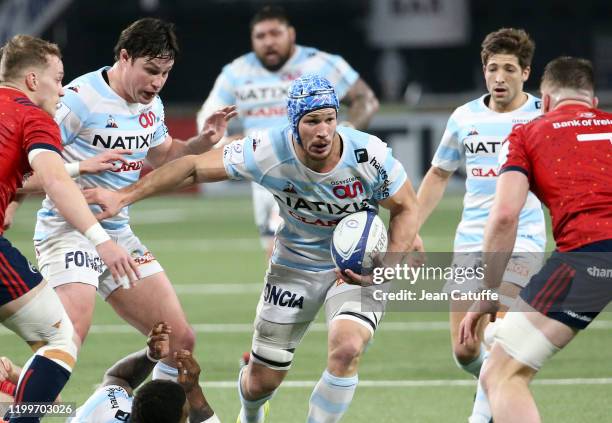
[(283, 57), (276, 66)]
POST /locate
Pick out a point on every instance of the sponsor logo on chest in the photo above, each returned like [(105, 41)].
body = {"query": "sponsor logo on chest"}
[(482, 145)]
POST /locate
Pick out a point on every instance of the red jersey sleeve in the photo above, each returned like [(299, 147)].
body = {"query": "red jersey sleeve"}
[(40, 132), (514, 154)]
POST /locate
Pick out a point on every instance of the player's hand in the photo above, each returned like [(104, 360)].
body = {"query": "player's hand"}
[(9, 214), (123, 267), (188, 370), (215, 125), (8, 370), (353, 278), (468, 326), (159, 341), (417, 255), (104, 161), (109, 201)]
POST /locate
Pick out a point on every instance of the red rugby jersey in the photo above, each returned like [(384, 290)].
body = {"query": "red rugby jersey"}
[(567, 156), (23, 127)]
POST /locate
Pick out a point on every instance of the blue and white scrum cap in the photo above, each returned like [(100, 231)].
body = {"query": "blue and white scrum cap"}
[(308, 93)]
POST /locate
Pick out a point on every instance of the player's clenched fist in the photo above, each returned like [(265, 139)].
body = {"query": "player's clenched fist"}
[(159, 341)]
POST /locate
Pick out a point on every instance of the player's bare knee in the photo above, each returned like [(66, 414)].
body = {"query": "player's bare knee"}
[(344, 355), (465, 353), (260, 384)]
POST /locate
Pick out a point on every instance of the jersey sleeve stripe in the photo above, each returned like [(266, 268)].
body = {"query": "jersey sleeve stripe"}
[(397, 184), (447, 154), (250, 163), (514, 168), (43, 146), (36, 149)]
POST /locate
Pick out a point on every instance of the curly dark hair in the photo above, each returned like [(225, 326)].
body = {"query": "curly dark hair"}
[(148, 37), (158, 401)]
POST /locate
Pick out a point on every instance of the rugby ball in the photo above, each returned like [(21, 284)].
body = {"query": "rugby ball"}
[(356, 241)]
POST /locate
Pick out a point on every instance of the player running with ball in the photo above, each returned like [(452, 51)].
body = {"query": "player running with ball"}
[(301, 164)]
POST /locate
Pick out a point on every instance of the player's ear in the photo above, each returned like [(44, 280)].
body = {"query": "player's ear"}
[(292, 34), (31, 81), (546, 100), (595, 102), (526, 72), (124, 56)]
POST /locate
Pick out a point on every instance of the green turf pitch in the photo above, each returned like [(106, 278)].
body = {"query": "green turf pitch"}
[(210, 249)]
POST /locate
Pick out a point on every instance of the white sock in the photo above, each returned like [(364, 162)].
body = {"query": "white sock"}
[(162, 371), (331, 398), (473, 367), (481, 412), (251, 411)]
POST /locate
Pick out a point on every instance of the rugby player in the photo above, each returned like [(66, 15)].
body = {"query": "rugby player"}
[(117, 108), (31, 73), (564, 158), (158, 401), (474, 134), (257, 84), (302, 164)]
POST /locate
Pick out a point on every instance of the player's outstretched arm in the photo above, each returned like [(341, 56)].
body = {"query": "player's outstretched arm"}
[(180, 173), (71, 204), (362, 103), (96, 164), (211, 133), (132, 370), (189, 379), (431, 191)]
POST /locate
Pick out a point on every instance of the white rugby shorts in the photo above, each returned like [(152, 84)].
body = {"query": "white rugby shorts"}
[(293, 297), (70, 257), (521, 267)]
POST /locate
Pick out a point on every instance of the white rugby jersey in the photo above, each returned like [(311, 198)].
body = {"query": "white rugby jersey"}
[(475, 133), (261, 95), (93, 118), (109, 404), (312, 203)]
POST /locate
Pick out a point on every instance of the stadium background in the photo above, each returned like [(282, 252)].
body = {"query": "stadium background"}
[(208, 243)]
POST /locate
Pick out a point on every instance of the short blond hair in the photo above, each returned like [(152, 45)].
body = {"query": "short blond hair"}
[(24, 51)]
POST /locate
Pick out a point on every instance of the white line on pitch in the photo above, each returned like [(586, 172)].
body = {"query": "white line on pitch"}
[(417, 383), (316, 327), (224, 244), (204, 244)]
